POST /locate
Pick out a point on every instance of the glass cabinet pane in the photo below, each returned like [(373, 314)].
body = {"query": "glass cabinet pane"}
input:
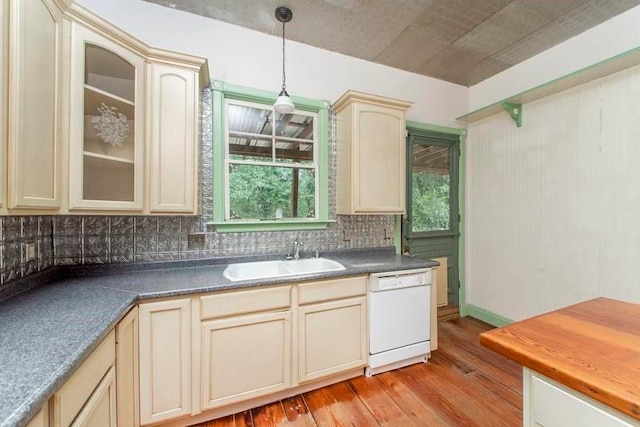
[(109, 126)]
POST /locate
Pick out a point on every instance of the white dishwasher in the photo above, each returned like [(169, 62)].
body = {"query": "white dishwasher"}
[(399, 319)]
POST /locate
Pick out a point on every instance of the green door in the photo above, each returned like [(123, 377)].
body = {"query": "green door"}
[(431, 228)]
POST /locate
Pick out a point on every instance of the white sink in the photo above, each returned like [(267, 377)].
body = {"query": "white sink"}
[(271, 269)]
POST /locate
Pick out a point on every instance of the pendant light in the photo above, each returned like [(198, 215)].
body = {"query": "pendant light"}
[(283, 104)]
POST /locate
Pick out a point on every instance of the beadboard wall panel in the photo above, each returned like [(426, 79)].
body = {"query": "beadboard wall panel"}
[(550, 206)]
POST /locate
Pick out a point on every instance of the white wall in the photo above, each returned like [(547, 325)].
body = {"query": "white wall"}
[(249, 58), (604, 41), (552, 207)]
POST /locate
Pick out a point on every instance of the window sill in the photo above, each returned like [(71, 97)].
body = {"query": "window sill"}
[(283, 225)]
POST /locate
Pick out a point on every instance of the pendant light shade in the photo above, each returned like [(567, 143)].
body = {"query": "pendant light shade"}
[(283, 104)]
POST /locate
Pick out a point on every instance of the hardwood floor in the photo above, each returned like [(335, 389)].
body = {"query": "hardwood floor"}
[(463, 384)]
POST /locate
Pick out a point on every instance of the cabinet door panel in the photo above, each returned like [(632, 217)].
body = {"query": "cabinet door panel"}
[(165, 354), (106, 132), (380, 147), (551, 406), (324, 352), (4, 57), (174, 133), (34, 99), (245, 357), (100, 409), (128, 385), (41, 419), (72, 396)]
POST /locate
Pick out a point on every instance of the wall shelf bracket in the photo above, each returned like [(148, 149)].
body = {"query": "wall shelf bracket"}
[(515, 111)]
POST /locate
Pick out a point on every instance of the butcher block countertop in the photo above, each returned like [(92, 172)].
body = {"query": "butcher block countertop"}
[(592, 347)]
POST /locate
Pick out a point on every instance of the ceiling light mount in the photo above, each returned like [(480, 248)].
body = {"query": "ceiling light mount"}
[(283, 104), (284, 14)]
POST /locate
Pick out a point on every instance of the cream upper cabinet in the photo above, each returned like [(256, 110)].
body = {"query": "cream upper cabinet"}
[(4, 56), (327, 307), (371, 154), (165, 354), (34, 89), (173, 132), (107, 124), (133, 126)]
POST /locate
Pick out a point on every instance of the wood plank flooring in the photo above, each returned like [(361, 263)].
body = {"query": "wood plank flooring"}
[(463, 384)]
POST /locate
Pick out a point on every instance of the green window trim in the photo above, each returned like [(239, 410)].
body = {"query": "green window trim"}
[(222, 91)]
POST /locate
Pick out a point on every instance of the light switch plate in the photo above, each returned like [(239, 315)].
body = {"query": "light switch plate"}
[(30, 251)]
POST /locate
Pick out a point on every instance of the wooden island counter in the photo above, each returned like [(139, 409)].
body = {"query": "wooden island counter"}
[(581, 364)]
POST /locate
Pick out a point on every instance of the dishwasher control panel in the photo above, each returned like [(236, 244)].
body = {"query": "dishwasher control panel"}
[(399, 279)]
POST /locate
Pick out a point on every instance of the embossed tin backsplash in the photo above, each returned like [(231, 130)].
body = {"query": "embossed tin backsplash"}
[(90, 239)]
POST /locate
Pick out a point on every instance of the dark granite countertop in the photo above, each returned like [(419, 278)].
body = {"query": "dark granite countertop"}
[(46, 332)]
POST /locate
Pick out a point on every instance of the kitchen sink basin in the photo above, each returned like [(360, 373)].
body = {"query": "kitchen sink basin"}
[(272, 269)]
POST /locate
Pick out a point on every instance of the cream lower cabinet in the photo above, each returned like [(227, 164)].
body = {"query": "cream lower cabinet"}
[(202, 355), (41, 419), (245, 357), (127, 370), (88, 398), (246, 344), (550, 404), (165, 360), (332, 333)]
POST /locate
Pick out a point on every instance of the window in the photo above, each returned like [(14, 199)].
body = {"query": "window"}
[(270, 169)]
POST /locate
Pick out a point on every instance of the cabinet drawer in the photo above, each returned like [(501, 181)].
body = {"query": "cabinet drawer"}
[(74, 393), (231, 303), (332, 289), (553, 405)]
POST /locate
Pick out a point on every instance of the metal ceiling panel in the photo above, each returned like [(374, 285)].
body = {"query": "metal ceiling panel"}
[(410, 49), (512, 23), (460, 41), (446, 21), (373, 24)]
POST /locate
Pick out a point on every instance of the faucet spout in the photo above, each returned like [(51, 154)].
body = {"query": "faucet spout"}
[(296, 248)]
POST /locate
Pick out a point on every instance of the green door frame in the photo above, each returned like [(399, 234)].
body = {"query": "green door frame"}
[(452, 138)]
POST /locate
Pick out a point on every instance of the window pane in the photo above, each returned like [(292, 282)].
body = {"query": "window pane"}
[(249, 119), (430, 186), (250, 148), (294, 126), (269, 192), (294, 152)]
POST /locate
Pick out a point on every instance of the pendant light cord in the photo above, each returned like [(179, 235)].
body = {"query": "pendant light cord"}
[(284, 73)]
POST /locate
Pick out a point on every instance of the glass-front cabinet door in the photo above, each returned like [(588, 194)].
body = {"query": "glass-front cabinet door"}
[(106, 170)]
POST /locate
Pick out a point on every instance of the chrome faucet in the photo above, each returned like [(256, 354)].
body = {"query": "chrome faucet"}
[(296, 248)]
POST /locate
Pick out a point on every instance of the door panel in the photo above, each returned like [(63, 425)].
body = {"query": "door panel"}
[(430, 229)]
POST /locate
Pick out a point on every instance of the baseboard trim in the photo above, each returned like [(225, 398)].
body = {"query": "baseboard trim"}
[(484, 315)]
